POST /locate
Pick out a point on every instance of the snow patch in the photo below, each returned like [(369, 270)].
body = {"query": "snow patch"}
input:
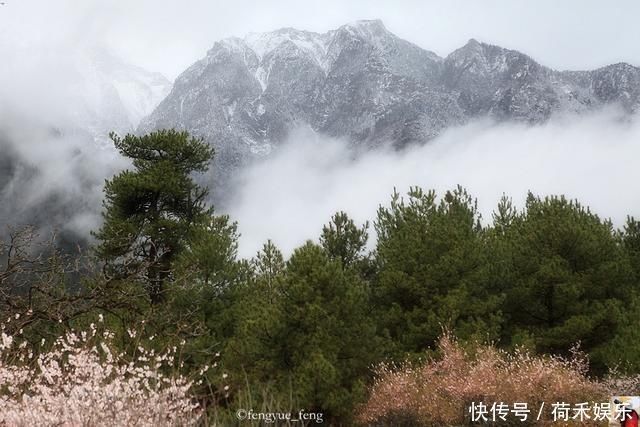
[(313, 44), (258, 148), (262, 76), (229, 111)]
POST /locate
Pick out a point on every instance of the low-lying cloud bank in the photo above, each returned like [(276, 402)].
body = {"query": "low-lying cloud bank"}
[(52, 175), (290, 196), (54, 152), (52, 178)]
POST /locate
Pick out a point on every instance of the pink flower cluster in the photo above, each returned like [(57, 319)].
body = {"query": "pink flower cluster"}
[(80, 380)]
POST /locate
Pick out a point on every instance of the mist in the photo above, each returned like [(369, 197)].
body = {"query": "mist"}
[(591, 158), (54, 120), (52, 178), (52, 161)]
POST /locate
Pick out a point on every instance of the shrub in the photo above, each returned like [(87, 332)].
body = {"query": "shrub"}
[(440, 391)]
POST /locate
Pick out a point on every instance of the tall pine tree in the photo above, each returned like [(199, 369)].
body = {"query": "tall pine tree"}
[(150, 211)]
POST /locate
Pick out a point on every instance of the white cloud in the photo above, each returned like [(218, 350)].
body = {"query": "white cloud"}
[(591, 158)]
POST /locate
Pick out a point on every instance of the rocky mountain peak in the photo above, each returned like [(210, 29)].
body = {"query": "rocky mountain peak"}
[(363, 83), (366, 29), (263, 44)]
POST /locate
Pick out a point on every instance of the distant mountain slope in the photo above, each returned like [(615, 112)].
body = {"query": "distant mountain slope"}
[(110, 94), (55, 149), (364, 83)]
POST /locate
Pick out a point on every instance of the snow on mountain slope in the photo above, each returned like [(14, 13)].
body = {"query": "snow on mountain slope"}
[(112, 95), (313, 44), (362, 83)]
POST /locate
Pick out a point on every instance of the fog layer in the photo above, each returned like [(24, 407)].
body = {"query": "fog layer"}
[(288, 197)]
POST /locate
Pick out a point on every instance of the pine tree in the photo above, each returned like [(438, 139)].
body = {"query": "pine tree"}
[(269, 267), (568, 277), (631, 243), (329, 338), (150, 211), (432, 271), (257, 314), (210, 257), (505, 214), (343, 240)]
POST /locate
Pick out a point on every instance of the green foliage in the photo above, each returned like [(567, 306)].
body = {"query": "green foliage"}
[(622, 350), (631, 243), (327, 335), (343, 240), (566, 276), (150, 211), (210, 257), (257, 311), (269, 267), (504, 215), (432, 261), (304, 324)]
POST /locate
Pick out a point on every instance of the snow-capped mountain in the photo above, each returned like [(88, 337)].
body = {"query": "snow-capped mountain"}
[(508, 85), (109, 94), (363, 83)]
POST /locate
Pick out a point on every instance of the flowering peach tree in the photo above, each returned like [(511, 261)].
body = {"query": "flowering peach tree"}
[(80, 380)]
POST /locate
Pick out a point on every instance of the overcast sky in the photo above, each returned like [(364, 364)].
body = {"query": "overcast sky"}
[(169, 35)]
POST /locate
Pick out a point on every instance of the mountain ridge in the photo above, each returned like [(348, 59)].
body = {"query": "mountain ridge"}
[(367, 85)]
